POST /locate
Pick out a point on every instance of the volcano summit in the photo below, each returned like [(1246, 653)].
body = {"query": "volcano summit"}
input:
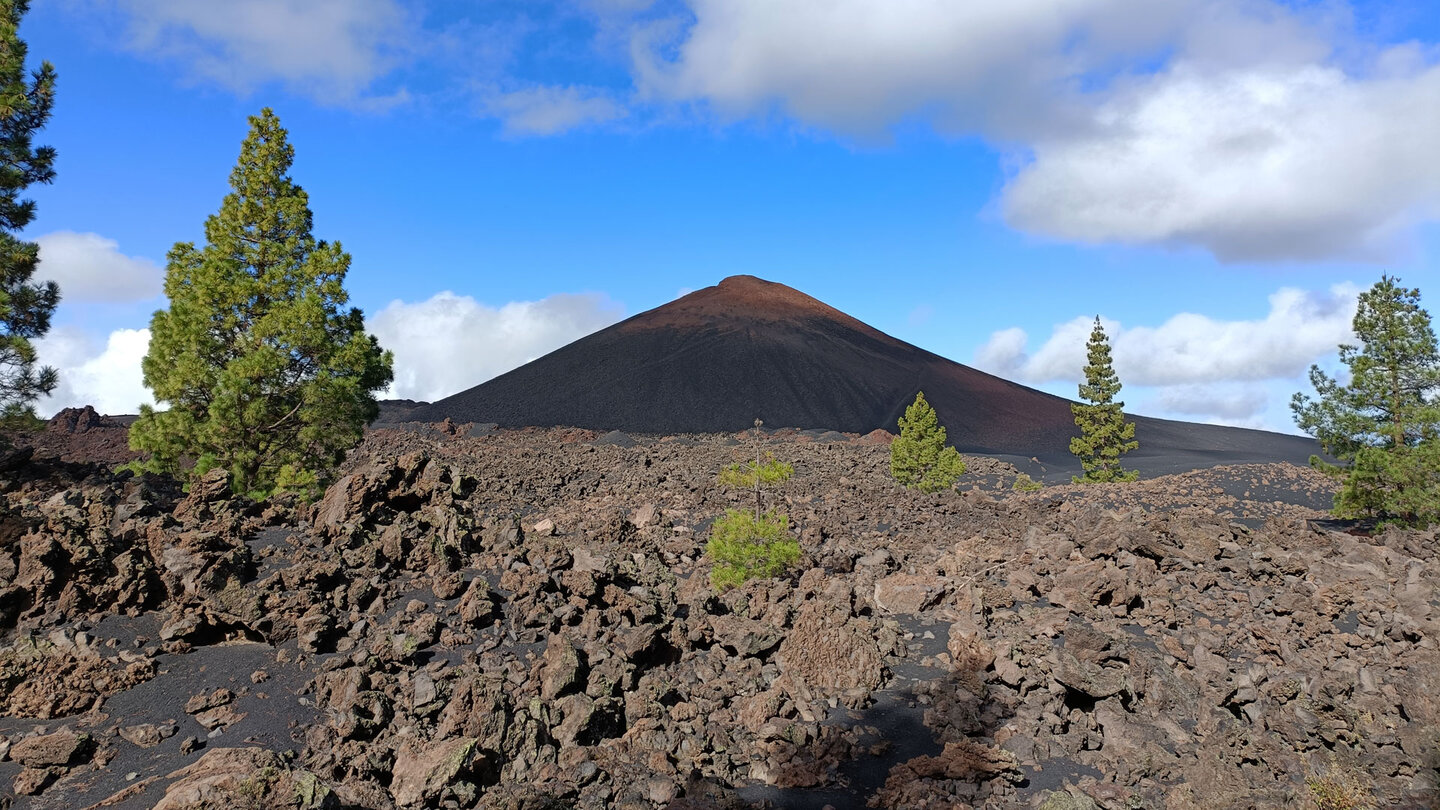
[(718, 358)]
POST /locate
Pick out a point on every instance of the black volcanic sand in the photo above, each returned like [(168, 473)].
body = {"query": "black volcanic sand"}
[(274, 711), (717, 359)]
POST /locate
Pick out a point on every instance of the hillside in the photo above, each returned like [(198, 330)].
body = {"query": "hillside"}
[(717, 359)]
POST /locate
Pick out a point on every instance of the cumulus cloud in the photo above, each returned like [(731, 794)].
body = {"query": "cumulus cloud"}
[(1299, 162), (1253, 129), (550, 109), (90, 267), (1301, 327), (451, 342), (331, 50), (858, 66), (103, 373), (442, 345)]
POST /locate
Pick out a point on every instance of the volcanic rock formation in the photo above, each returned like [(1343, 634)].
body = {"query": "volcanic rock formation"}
[(716, 359)]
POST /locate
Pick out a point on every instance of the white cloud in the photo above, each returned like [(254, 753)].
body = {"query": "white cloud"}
[(1232, 402), (550, 109), (442, 345), (106, 375), (89, 267), (858, 66), (1253, 129), (451, 342), (1300, 328), (331, 50), (1297, 162)]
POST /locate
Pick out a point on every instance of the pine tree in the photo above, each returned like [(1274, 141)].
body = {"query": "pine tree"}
[(25, 308), (265, 373), (744, 545), (1384, 425), (1104, 433), (919, 457)]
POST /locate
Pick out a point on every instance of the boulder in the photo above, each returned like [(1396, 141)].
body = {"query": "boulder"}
[(560, 668), (828, 650), (908, 593), (215, 779), (60, 749), (423, 771)]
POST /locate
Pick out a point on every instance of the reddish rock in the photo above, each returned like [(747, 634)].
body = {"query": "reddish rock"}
[(908, 593)]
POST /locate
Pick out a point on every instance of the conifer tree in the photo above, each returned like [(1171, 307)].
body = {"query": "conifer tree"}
[(744, 545), (264, 371), (1384, 424), (919, 457), (1104, 433), (25, 308)]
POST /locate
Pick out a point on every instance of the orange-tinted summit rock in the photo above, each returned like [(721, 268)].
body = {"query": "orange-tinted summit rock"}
[(720, 357)]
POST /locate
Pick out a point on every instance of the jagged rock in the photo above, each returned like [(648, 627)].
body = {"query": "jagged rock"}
[(31, 781), (968, 653), (222, 774), (147, 735), (908, 593), (421, 772), (561, 669), (209, 700), (1089, 679), (830, 651), (344, 504), (477, 607), (1133, 632), (746, 637), (59, 749)]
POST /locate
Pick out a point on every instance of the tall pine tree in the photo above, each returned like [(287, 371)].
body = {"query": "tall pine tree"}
[(25, 308), (1385, 422), (1104, 433), (264, 371)]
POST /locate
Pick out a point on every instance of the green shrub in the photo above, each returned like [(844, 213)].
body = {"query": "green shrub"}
[(744, 547), (1024, 483)]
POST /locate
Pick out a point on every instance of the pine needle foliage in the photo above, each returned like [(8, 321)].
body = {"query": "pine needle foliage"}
[(919, 456), (756, 476), (1104, 433), (265, 371), (25, 308), (745, 544), (1383, 425)]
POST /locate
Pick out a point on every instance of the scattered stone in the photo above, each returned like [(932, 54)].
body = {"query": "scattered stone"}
[(59, 749), (148, 735)]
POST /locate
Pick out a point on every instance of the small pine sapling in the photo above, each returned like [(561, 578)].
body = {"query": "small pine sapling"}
[(1024, 483), (745, 544)]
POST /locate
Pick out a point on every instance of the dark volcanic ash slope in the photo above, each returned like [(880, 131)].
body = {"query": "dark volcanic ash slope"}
[(718, 358)]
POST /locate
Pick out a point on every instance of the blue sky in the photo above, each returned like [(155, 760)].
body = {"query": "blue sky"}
[(1216, 178)]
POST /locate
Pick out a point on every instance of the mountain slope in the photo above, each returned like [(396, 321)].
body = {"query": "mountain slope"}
[(717, 359)]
